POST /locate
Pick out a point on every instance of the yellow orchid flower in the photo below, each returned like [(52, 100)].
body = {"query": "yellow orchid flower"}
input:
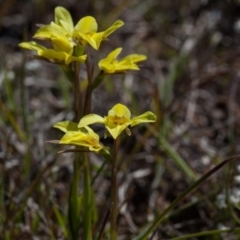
[(118, 119), (111, 65), (63, 25), (84, 137), (61, 53), (84, 32)]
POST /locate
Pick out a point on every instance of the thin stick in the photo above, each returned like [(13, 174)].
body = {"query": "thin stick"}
[(114, 193), (104, 223), (88, 96)]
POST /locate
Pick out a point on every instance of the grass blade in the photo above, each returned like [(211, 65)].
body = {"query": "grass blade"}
[(145, 234), (206, 233), (178, 160)]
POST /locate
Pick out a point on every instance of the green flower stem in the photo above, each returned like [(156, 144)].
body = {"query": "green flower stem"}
[(77, 93), (114, 193), (73, 203), (73, 208), (144, 235), (88, 96), (87, 200)]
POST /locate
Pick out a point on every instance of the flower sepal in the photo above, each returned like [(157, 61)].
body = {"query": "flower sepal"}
[(111, 65), (81, 137)]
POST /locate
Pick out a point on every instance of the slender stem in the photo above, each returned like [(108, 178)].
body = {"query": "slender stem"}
[(88, 96), (114, 193), (87, 199), (105, 219), (77, 93), (73, 209)]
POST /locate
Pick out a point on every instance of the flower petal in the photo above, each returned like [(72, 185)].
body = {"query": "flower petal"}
[(112, 28), (82, 36), (107, 64), (91, 132), (97, 38), (61, 30), (90, 119), (66, 126), (125, 65), (61, 57), (113, 55), (87, 25), (63, 18), (120, 110), (71, 58), (117, 130), (32, 46), (48, 31), (81, 139), (135, 58), (62, 44), (54, 55), (145, 117)]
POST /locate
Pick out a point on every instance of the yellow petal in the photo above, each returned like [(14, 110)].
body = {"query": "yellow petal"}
[(90, 119), (87, 38), (72, 137), (82, 139), (117, 130), (71, 58), (61, 57), (97, 38), (134, 58), (61, 30), (113, 55), (111, 65), (106, 67), (125, 65), (47, 32), (113, 28), (63, 18), (120, 110), (32, 46), (66, 126), (53, 55), (87, 25), (62, 44), (145, 117), (107, 64), (91, 132)]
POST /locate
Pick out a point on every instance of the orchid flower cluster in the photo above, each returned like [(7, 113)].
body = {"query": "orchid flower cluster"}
[(69, 42), (70, 48), (68, 45), (117, 120)]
